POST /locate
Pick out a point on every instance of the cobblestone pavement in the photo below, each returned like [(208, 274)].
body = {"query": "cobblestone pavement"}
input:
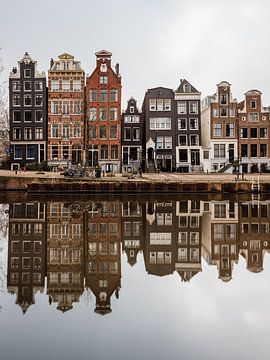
[(151, 177)]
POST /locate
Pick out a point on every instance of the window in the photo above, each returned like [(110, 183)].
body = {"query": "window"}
[(92, 133), (263, 150), (253, 150), (39, 134), (263, 133), (27, 73), (113, 113), (131, 109), (103, 80), (27, 100), (182, 254), (223, 99), (168, 142), (215, 112), (164, 142), (217, 130), (55, 85), (103, 95), (223, 112), (219, 211), (253, 104), (54, 130), (65, 131), (65, 152), (16, 86), (193, 124), (113, 95), (182, 238), (182, 124), (127, 134), (114, 151), (27, 116), (27, 133), (65, 107), (244, 133), (182, 140), (181, 107), (160, 104), (77, 107), (16, 134), (27, 86), (160, 123), (93, 114), (17, 152), (253, 116), (183, 156), (131, 119), (76, 85), (194, 140), (232, 112), (103, 132), (159, 142), (231, 231), (16, 100), (39, 100), (30, 152), (230, 130), (244, 150), (38, 85), (93, 95), (219, 150), (16, 116), (253, 133), (193, 107), (65, 85), (152, 104), (113, 132), (54, 107), (104, 152), (55, 152), (77, 130), (136, 134)]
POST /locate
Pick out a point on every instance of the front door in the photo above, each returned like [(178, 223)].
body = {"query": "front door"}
[(195, 157), (231, 152)]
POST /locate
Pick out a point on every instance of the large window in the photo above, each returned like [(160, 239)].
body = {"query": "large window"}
[(113, 113), (93, 95), (65, 107), (219, 150), (54, 130), (103, 132), (66, 85), (183, 156), (55, 85), (27, 100), (244, 133), (113, 95), (103, 114), (113, 132), (103, 95), (30, 151), (16, 100), (39, 134), (16, 134), (55, 152), (164, 142), (160, 123), (219, 211), (104, 152), (16, 116), (182, 140), (18, 152), (217, 130), (93, 114), (244, 150), (160, 104), (193, 107), (182, 124), (253, 150), (253, 133), (27, 133), (193, 124), (181, 107), (254, 117), (54, 107), (76, 85), (114, 151), (127, 134), (263, 133), (194, 140), (77, 107), (230, 130)]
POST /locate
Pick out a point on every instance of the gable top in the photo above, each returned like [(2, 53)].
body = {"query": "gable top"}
[(26, 58), (103, 54), (66, 56), (186, 87), (224, 83), (253, 92)]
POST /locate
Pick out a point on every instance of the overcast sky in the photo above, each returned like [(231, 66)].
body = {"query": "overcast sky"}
[(156, 42)]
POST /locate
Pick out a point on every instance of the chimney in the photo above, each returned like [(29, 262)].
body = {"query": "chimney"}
[(117, 69), (51, 63)]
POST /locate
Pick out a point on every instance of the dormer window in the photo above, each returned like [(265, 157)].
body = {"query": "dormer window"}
[(131, 109), (253, 104), (187, 88)]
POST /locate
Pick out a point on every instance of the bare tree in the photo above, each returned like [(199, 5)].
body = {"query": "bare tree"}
[(4, 120)]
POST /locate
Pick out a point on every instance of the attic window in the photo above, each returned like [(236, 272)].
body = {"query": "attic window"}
[(187, 88), (131, 109)]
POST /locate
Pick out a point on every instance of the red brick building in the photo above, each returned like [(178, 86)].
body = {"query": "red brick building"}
[(103, 113), (65, 112)]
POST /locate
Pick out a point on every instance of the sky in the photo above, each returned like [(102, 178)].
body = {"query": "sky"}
[(156, 42)]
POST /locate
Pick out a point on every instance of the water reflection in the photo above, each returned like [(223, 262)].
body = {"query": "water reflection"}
[(67, 249)]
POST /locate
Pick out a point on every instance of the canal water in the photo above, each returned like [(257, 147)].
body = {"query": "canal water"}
[(186, 277)]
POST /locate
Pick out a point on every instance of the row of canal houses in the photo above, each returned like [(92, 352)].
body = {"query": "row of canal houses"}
[(77, 246), (77, 119)]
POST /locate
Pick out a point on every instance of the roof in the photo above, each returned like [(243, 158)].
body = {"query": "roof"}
[(186, 87)]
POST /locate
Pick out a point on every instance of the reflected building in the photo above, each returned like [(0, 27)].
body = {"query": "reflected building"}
[(103, 252), (188, 236), (26, 252), (160, 238), (220, 236), (254, 232), (65, 265), (132, 229)]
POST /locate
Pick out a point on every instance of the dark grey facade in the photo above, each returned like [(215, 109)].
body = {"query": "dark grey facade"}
[(28, 114), (159, 119), (131, 137), (188, 151)]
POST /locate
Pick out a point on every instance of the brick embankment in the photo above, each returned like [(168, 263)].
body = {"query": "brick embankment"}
[(150, 183)]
